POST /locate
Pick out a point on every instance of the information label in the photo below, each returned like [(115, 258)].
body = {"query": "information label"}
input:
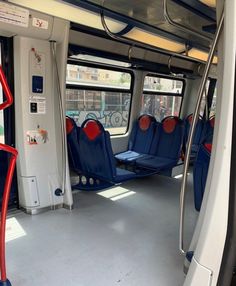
[(37, 106), (40, 23), (15, 15)]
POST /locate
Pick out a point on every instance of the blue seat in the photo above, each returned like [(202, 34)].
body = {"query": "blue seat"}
[(96, 156), (197, 138), (156, 163), (201, 165), (72, 131), (200, 172), (166, 146), (140, 139), (208, 131)]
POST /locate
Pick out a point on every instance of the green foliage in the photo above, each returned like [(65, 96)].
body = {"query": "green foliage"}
[(125, 77), (1, 130)]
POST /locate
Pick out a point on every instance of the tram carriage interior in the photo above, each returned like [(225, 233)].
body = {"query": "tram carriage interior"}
[(108, 188)]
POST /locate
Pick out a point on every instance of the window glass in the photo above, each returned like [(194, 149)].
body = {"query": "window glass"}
[(100, 94), (156, 101), (203, 102), (90, 76), (160, 84), (213, 104), (161, 106)]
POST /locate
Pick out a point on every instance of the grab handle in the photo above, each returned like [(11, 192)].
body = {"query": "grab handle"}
[(6, 90)]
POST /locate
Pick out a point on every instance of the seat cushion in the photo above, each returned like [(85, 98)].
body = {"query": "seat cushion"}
[(156, 163), (128, 156), (123, 175)]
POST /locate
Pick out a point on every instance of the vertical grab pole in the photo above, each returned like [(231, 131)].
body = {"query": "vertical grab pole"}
[(191, 133), (7, 187), (7, 190)]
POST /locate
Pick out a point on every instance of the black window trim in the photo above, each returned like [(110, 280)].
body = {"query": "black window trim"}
[(108, 89), (7, 60)]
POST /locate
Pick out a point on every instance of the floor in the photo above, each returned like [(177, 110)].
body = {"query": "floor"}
[(129, 239)]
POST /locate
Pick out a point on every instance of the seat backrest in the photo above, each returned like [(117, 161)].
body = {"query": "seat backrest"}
[(207, 135), (200, 172), (198, 130), (171, 138), (95, 150), (142, 134), (156, 139), (201, 166), (72, 131)]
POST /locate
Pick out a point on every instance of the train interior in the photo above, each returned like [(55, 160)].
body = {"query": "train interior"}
[(104, 99)]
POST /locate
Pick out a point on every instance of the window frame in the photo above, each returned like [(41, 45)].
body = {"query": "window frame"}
[(166, 93), (106, 89), (9, 113)]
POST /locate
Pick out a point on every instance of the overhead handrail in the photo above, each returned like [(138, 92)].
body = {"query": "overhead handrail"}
[(192, 130), (7, 187), (142, 45), (182, 27)]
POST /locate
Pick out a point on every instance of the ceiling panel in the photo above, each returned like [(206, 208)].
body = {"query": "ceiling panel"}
[(151, 12)]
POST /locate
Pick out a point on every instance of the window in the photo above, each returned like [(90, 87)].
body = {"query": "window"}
[(213, 104), (162, 96), (210, 109), (101, 94), (204, 97)]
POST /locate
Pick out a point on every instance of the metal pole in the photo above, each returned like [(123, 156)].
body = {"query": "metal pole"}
[(60, 192), (191, 133)]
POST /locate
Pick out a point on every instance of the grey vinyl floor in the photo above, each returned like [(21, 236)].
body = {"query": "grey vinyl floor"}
[(128, 241)]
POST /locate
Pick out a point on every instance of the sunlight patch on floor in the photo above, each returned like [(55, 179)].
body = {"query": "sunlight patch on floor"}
[(116, 198), (13, 229), (116, 193)]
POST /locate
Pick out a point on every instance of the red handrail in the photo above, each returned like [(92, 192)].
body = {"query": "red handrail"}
[(7, 186), (7, 92), (5, 200)]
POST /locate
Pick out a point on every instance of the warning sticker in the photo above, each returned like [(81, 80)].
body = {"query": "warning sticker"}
[(35, 137), (15, 15), (37, 106), (41, 106)]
